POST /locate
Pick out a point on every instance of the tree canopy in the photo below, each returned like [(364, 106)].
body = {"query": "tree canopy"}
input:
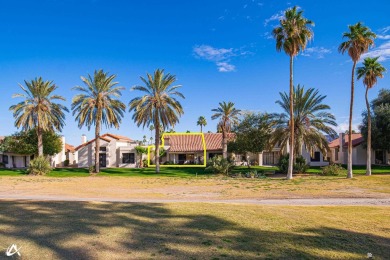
[(26, 142), (252, 134)]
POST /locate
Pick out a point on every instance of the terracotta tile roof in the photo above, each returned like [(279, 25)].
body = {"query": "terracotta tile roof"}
[(117, 137), (356, 140), (69, 148), (193, 143), (104, 137), (93, 140)]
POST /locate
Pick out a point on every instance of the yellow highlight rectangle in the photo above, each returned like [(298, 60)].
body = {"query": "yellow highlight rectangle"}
[(175, 165)]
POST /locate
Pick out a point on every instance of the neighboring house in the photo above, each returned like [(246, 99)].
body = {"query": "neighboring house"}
[(13, 160), (188, 149), (115, 151), (339, 151)]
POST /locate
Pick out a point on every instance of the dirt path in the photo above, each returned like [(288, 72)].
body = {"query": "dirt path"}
[(285, 202)]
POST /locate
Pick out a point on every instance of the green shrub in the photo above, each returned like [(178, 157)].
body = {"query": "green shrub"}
[(333, 170), (39, 166), (2, 165), (300, 165), (283, 163), (66, 163), (168, 163), (145, 163), (92, 169), (219, 165)]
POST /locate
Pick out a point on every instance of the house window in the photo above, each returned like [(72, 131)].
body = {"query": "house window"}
[(5, 159), (103, 149), (128, 158), (316, 158)]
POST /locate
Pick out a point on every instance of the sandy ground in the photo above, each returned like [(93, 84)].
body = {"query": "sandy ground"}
[(305, 191), (283, 202)]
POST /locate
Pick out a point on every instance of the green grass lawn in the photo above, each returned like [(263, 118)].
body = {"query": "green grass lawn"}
[(174, 172), (82, 230)]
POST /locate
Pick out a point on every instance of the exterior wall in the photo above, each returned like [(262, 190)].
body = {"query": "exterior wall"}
[(16, 160), (84, 159), (114, 154), (309, 160)]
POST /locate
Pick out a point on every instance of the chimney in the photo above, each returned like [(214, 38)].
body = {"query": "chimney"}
[(83, 139), (342, 141)]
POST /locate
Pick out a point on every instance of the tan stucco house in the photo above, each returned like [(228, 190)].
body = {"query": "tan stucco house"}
[(115, 151), (339, 151)]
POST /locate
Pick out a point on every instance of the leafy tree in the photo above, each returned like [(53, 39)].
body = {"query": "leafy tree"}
[(370, 72), (382, 99), (252, 134), (228, 117), (292, 36), (26, 142), (140, 151), (359, 39), (38, 110), (158, 105), (380, 121), (98, 104), (201, 122), (311, 121)]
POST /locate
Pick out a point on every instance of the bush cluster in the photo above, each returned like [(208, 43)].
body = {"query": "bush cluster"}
[(333, 170), (39, 166), (300, 165), (219, 165)]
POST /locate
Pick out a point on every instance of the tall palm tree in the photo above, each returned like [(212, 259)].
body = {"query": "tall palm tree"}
[(292, 36), (37, 110), (151, 128), (158, 105), (370, 72), (98, 104), (144, 140), (311, 121), (202, 122), (359, 39), (228, 116)]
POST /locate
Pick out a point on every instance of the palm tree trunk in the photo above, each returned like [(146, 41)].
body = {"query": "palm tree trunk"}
[(368, 171), (40, 141), (157, 144), (291, 158), (97, 142), (224, 144), (350, 174), (201, 128)]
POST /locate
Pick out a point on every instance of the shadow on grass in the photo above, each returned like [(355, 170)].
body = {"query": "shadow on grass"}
[(78, 230)]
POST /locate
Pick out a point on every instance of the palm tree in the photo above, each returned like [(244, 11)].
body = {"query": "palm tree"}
[(292, 36), (98, 104), (37, 110), (370, 72), (151, 128), (144, 140), (158, 105), (359, 40), (202, 122), (228, 116), (311, 121)]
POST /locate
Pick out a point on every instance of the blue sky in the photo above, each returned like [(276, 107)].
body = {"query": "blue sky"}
[(219, 50)]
